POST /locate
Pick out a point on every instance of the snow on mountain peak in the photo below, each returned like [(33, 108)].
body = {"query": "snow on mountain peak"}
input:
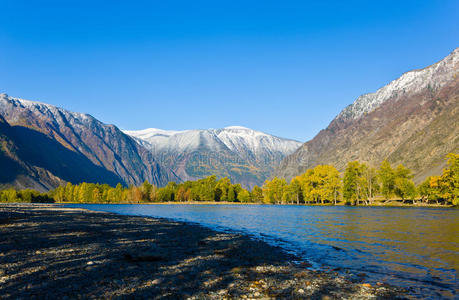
[(47, 109), (235, 138), (433, 77), (237, 128)]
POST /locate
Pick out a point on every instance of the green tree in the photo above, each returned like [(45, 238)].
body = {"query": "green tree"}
[(257, 194), (403, 185), (222, 188), (370, 182), (387, 177), (231, 194), (243, 196), (352, 182), (146, 191)]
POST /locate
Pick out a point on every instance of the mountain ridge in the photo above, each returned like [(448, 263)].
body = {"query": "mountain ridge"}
[(103, 145), (240, 153), (384, 124)]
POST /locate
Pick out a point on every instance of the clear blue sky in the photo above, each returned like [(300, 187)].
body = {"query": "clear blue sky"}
[(283, 67)]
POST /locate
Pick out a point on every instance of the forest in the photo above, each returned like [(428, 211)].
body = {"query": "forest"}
[(359, 184)]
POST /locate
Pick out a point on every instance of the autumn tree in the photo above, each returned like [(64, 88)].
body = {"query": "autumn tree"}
[(273, 190), (257, 194), (370, 180), (243, 196), (387, 178), (353, 183)]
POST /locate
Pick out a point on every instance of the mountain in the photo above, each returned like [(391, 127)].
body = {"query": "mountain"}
[(44, 145), (244, 155), (413, 120)]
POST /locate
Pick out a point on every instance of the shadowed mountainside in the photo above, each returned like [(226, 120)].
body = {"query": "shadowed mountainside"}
[(92, 146), (34, 160)]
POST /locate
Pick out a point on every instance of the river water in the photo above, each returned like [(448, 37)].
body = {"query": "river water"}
[(416, 248)]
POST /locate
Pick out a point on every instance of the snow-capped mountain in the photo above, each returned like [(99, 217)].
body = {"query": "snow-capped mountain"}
[(244, 155), (413, 120), (432, 78), (72, 147)]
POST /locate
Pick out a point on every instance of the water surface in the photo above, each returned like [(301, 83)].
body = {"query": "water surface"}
[(417, 248)]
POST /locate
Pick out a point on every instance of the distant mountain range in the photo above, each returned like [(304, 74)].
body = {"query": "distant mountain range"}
[(44, 145), (414, 120), (244, 155)]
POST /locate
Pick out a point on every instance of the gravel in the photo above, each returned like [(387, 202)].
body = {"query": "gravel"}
[(52, 252)]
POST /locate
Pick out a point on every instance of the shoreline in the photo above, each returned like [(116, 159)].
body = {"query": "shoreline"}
[(49, 251), (392, 204)]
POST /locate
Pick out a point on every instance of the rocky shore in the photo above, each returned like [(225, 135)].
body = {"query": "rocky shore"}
[(52, 252)]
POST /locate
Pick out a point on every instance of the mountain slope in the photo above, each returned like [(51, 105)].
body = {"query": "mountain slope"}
[(75, 147), (413, 120), (245, 156)]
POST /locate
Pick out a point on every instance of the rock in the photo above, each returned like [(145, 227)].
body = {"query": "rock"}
[(256, 294), (300, 291), (2, 272)]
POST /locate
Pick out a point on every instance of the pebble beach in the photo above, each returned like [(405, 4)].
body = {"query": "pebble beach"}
[(53, 252)]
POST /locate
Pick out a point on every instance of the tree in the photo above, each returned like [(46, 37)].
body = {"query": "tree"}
[(273, 190), (136, 194), (222, 188), (243, 196), (370, 180), (146, 191), (181, 194), (69, 192), (403, 185), (450, 179), (257, 194), (96, 195), (231, 194), (387, 177), (295, 190), (352, 182), (84, 194), (59, 194)]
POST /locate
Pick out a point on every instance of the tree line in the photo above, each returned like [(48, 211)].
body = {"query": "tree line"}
[(359, 184)]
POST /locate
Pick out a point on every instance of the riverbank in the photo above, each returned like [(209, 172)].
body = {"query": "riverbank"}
[(390, 203), (48, 251)]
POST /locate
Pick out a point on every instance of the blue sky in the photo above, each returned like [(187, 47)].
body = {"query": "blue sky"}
[(283, 67)]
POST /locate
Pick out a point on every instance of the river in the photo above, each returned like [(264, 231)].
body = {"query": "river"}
[(416, 248)]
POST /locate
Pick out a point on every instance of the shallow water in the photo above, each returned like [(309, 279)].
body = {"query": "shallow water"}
[(417, 248)]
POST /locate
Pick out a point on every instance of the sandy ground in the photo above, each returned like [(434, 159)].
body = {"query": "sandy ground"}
[(51, 252)]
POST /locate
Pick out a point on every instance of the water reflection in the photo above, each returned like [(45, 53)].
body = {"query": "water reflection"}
[(414, 247)]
